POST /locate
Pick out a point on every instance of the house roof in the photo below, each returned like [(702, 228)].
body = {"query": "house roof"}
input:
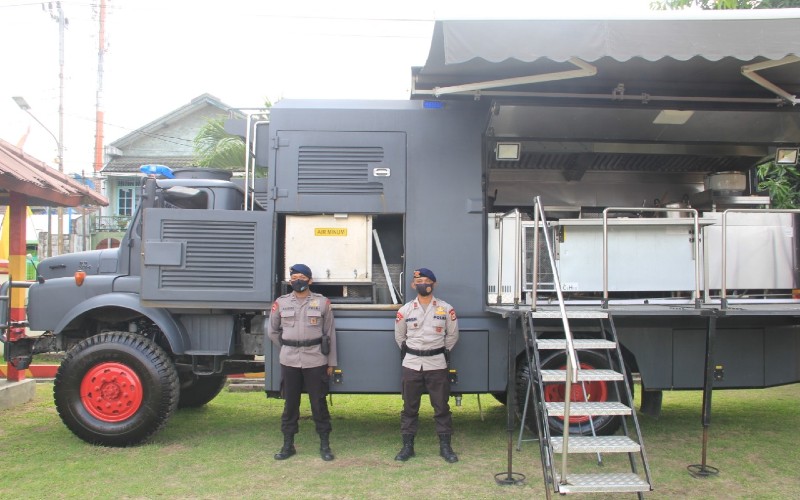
[(129, 165), (159, 123), (42, 184)]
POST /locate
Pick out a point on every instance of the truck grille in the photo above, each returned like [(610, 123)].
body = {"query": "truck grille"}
[(218, 254)]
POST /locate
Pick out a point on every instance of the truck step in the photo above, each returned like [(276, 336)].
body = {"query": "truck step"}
[(626, 482), (579, 344), (583, 375), (596, 444), (577, 409), (246, 387)]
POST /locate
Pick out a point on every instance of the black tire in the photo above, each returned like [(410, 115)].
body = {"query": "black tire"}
[(501, 397), (197, 390), (116, 389), (604, 425)]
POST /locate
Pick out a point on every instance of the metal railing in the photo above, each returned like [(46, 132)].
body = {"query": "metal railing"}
[(110, 223), (696, 241), (723, 284), (572, 356)]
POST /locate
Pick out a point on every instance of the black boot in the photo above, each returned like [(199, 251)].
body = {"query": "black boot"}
[(407, 451), (288, 447), (445, 450), (325, 446)]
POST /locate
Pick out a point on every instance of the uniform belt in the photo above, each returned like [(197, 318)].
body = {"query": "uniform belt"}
[(301, 343), (428, 352)]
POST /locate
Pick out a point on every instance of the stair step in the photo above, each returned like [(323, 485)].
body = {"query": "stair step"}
[(571, 314), (576, 409), (618, 482), (596, 444), (561, 344), (583, 375)]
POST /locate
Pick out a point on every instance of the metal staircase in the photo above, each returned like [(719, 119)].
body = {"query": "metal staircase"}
[(573, 473)]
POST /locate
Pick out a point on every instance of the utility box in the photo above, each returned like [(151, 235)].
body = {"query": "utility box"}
[(337, 248)]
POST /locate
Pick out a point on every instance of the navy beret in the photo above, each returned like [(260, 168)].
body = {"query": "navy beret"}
[(424, 272), (300, 268)]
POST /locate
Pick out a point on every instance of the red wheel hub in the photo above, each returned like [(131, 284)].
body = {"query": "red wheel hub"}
[(581, 392), (111, 392)]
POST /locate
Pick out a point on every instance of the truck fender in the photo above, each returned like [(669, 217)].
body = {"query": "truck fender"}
[(173, 330)]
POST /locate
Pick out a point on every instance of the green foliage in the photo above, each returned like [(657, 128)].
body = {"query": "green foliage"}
[(218, 149), (782, 182), (724, 4)]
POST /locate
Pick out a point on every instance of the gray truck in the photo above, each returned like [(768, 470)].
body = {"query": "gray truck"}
[(648, 203)]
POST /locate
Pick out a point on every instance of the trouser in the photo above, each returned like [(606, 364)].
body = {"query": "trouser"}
[(315, 382), (414, 384)]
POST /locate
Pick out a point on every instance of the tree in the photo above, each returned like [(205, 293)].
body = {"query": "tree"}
[(216, 148), (724, 4)]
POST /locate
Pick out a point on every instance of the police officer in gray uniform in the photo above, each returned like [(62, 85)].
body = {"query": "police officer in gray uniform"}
[(301, 324), (426, 329)]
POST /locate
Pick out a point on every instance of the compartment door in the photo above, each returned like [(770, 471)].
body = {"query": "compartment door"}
[(352, 172), (205, 258)]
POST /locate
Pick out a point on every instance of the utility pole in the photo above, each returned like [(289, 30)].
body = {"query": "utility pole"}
[(62, 21), (98, 138)]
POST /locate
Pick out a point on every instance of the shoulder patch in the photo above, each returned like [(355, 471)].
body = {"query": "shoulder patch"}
[(275, 306), (399, 317), (452, 314)]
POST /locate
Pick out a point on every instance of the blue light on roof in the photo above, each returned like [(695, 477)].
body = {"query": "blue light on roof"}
[(432, 104), (161, 170)]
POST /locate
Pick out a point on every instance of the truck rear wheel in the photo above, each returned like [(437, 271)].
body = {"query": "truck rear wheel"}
[(116, 389), (604, 425), (197, 390)]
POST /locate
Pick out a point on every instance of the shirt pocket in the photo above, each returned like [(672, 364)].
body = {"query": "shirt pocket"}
[(439, 326), (314, 320), (287, 319)]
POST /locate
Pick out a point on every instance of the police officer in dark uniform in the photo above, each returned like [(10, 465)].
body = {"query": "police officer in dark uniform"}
[(301, 324), (426, 329)]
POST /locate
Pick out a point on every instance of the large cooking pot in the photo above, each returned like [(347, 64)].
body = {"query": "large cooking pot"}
[(731, 183), (676, 215)]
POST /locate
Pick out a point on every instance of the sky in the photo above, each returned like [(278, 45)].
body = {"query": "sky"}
[(160, 54)]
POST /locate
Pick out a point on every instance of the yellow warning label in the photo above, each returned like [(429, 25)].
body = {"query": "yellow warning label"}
[(330, 231)]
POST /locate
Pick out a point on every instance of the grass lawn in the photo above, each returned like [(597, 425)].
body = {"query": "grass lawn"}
[(225, 450)]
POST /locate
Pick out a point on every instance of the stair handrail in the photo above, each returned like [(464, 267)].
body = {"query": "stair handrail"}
[(572, 356), (696, 242), (723, 284)]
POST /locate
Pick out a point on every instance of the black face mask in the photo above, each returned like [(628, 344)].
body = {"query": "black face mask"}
[(299, 285), (424, 289)]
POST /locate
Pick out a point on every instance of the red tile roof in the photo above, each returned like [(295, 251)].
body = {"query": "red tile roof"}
[(42, 184)]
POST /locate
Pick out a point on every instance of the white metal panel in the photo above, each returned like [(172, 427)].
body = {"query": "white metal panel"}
[(759, 254), (337, 248)]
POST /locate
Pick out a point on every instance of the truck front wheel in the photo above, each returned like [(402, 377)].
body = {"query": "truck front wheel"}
[(116, 389)]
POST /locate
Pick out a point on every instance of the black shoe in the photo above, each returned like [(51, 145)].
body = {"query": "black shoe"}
[(288, 448), (445, 451), (325, 447), (407, 451)]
